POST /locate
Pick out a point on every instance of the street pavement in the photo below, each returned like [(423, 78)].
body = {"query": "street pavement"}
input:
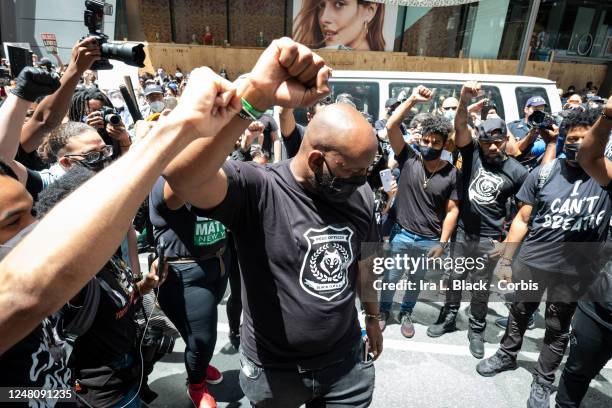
[(417, 372)]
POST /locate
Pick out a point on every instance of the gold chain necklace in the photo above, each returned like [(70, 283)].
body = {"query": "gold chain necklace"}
[(426, 180)]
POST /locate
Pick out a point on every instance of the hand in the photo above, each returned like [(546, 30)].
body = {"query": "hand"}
[(151, 280), (436, 252), (550, 136), (256, 126), (33, 83), (608, 107), (504, 270), (84, 54), (118, 133), (287, 74), (477, 107), (497, 251), (421, 94), (208, 103), (95, 120), (470, 90), (375, 338), (393, 192)]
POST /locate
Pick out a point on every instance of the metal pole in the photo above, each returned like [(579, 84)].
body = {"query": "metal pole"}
[(533, 14)]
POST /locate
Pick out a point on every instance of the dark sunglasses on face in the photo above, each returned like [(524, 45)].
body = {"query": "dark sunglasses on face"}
[(450, 107), (95, 156)]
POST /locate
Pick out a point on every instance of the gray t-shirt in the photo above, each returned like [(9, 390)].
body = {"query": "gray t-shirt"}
[(422, 210)]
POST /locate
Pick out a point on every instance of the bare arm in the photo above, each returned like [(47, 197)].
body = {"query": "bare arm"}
[(276, 147), (523, 144), (419, 95), (550, 137), (32, 287), (450, 220), (12, 113), (52, 109), (368, 298), (518, 230), (463, 136), (287, 121), (591, 153)]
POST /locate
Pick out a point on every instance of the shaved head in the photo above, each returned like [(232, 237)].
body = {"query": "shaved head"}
[(340, 136), (450, 102)]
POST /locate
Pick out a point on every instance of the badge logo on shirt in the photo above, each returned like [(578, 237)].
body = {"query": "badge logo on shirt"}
[(207, 232), (324, 272), (485, 187)]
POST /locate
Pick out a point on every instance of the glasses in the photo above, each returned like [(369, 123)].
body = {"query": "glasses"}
[(94, 157), (449, 108)]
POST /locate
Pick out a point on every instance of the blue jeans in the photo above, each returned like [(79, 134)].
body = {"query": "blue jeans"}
[(415, 246)]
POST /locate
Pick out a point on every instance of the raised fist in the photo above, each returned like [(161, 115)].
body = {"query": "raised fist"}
[(421, 94), (470, 89), (33, 83)]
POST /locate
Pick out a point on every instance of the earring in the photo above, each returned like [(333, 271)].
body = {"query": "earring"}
[(365, 26)]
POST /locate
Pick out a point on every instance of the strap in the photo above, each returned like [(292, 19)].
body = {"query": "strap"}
[(544, 174)]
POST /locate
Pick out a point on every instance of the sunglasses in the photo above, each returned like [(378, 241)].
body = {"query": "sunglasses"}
[(450, 107), (94, 157)]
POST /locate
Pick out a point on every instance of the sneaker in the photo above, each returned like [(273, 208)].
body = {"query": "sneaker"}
[(539, 397), (234, 338), (200, 397), (497, 363), (213, 376), (502, 323), (445, 324), (476, 343), (382, 323), (407, 327)]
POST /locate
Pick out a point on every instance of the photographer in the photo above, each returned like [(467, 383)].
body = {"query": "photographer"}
[(524, 136)]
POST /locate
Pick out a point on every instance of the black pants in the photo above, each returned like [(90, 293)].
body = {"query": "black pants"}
[(234, 303), (349, 383), (591, 349), (189, 298), (470, 246), (558, 316)]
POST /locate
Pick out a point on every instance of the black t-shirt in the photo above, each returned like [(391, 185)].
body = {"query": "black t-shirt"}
[(292, 143), (30, 160), (298, 257), (269, 127), (186, 235), (113, 333), (486, 189), (39, 359), (570, 207), (34, 183), (419, 210)]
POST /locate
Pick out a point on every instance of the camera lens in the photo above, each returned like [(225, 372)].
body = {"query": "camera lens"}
[(130, 53)]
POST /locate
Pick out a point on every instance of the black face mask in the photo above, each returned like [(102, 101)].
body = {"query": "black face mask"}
[(571, 151), (336, 189), (429, 153)]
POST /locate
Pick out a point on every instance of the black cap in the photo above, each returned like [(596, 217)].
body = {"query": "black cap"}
[(487, 130), (390, 102), (46, 62)]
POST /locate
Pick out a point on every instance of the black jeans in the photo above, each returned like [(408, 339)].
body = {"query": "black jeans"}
[(591, 349), (349, 383), (471, 246), (189, 297), (558, 316)]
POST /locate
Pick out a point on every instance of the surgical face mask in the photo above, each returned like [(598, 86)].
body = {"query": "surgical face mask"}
[(118, 102), (429, 153), (571, 151), (450, 114), (336, 189), (157, 106)]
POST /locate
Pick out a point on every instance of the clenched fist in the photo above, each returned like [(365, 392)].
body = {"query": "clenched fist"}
[(470, 90), (33, 83)]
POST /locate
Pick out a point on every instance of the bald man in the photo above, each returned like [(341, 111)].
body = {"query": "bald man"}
[(298, 227)]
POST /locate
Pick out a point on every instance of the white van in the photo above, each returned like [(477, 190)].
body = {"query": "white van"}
[(370, 90)]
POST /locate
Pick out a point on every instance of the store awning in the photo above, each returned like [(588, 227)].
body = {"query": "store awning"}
[(425, 3)]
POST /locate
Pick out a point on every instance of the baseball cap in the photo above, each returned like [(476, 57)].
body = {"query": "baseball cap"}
[(45, 62), (535, 101), (596, 98), (390, 102), (488, 128), (151, 89)]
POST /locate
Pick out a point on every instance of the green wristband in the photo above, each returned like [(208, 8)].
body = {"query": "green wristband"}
[(248, 108)]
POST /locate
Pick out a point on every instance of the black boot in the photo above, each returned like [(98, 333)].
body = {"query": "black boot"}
[(445, 324), (476, 343), (497, 363), (539, 397)]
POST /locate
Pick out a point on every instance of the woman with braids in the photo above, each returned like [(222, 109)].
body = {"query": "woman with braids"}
[(353, 24), (87, 105)]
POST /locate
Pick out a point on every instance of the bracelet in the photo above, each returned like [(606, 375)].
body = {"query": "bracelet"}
[(250, 110), (245, 115), (372, 316), (125, 145), (509, 260), (444, 245), (603, 115)]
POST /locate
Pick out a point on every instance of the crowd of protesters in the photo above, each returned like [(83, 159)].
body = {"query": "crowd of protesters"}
[(280, 210)]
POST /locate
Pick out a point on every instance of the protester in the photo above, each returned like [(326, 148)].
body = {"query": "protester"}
[(427, 203), (305, 217), (490, 179), (195, 250), (558, 268)]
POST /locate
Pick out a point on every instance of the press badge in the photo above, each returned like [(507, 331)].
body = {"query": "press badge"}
[(207, 232)]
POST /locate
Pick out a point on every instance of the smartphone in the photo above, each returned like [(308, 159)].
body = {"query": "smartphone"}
[(387, 179), (161, 256), (367, 356)]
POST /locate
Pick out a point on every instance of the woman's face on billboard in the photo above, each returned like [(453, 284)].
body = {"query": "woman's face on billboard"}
[(342, 22)]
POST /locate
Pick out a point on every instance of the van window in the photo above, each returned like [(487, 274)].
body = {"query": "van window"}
[(365, 95), (401, 90), (523, 93)]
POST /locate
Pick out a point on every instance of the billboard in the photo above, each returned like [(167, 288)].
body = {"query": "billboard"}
[(344, 24)]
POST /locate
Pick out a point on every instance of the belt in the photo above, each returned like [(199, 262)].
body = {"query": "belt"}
[(184, 260)]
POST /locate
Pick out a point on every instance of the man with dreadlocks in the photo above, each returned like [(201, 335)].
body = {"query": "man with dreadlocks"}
[(87, 106)]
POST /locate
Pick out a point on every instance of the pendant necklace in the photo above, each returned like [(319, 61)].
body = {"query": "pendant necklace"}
[(426, 180)]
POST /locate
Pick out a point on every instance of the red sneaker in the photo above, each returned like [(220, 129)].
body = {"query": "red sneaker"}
[(213, 376), (200, 397)]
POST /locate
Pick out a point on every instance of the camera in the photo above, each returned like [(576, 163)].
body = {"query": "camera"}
[(110, 116), (156, 344), (541, 120), (129, 53)]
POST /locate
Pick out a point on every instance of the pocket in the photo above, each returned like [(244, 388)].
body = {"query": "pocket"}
[(248, 368)]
